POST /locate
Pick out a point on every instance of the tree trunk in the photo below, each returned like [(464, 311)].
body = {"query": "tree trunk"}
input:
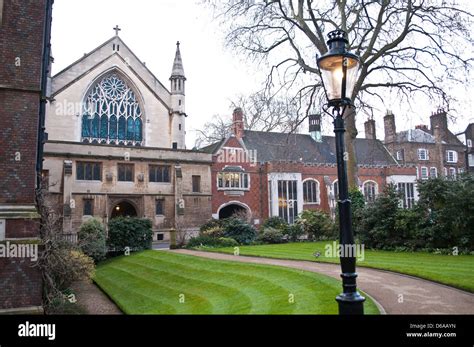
[(349, 138)]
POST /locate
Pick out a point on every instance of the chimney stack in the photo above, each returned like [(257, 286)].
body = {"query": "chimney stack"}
[(389, 127), (370, 129), (238, 123), (439, 119), (437, 133)]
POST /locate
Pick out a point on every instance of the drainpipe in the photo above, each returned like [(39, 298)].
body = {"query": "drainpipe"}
[(42, 136)]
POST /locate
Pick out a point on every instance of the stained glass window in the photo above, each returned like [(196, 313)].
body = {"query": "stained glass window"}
[(112, 113)]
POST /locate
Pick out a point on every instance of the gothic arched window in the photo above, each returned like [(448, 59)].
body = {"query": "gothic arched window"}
[(370, 191), (112, 114)]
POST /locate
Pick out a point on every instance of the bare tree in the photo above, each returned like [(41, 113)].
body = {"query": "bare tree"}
[(407, 47), (61, 263), (262, 112), (215, 130)]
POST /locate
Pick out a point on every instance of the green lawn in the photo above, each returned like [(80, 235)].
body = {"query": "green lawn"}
[(154, 282), (457, 271)]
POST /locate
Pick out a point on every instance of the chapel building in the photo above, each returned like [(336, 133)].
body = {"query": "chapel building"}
[(116, 144)]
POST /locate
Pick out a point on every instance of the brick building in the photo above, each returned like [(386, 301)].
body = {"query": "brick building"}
[(469, 149), (276, 174), (24, 46), (117, 144), (435, 151)]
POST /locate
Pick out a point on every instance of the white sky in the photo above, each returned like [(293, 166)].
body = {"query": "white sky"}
[(215, 75)]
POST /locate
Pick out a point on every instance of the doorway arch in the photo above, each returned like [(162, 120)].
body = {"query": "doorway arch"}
[(231, 208), (124, 209)]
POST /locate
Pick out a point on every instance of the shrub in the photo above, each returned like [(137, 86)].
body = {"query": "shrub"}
[(208, 241), (211, 224), (92, 240), (134, 233), (275, 223), (71, 266), (239, 230), (270, 235), (213, 232), (294, 232), (376, 227), (227, 242), (317, 225)]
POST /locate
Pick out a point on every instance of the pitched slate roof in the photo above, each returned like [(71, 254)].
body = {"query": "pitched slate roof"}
[(212, 148), (272, 146), (415, 135)]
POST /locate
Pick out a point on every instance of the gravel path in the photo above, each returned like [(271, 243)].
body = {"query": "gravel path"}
[(396, 293), (93, 300)]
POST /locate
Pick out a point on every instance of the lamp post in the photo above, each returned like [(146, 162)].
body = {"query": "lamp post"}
[(338, 69)]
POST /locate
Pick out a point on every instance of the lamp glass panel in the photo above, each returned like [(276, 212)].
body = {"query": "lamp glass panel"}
[(332, 75)]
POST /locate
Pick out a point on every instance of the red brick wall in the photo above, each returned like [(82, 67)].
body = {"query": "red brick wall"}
[(257, 197), (18, 135), (21, 47)]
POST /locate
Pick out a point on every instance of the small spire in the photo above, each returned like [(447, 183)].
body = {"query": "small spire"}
[(178, 70)]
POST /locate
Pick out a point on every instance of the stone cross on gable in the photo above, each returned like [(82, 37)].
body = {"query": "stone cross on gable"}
[(117, 29)]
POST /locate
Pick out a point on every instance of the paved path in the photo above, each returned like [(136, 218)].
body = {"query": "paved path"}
[(93, 300), (396, 293)]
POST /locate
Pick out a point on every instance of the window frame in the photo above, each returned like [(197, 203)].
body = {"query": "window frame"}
[(224, 181), (161, 203), (316, 193), (198, 177), (370, 198), (426, 154), (454, 155), (427, 176), (93, 168), (84, 204), (126, 165), (165, 173)]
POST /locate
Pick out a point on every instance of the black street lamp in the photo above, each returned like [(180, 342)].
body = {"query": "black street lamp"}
[(339, 69)]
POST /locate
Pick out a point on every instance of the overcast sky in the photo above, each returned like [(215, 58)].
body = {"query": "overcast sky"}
[(215, 75)]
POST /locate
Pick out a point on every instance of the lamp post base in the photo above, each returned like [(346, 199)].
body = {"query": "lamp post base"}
[(350, 303)]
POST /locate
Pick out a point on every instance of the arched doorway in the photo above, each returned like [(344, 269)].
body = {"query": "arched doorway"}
[(232, 210), (124, 209)]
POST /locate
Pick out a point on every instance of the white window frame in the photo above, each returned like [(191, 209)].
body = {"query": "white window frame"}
[(426, 154), (318, 192), (408, 191), (435, 170), (376, 190), (424, 176), (222, 174), (469, 143), (470, 159), (454, 158), (399, 155), (452, 172)]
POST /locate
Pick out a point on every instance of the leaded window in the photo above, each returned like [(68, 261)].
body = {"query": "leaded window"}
[(112, 114), (311, 192), (370, 191)]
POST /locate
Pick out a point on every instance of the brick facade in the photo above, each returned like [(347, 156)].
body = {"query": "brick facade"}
[(435, 142), (263, 158), (22, 28)]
